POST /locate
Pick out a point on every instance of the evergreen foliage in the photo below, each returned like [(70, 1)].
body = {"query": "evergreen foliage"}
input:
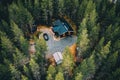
[(98, 40), (59, 76)]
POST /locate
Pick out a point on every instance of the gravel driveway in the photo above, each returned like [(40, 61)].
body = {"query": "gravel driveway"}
[(58, 45)]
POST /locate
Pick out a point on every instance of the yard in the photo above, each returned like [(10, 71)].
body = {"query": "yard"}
[(59, 44)]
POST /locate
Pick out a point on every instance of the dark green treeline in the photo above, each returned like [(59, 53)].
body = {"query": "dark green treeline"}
[(98, 24)]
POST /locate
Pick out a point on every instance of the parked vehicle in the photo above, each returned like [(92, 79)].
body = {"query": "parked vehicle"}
[(45, 36)]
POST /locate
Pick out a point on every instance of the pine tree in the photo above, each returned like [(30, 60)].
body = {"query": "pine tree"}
[(27, 72), (7, 47), (105, 50), (24, 77), (116, 74), (17, 32), (41, 45), (15, 73), (107, 67), (56, 8), (44, 10), (4, 26), (20, 15), (112, 59), (28, 4), (51, 72), (19, 39), (98, 5), (98, 39), (100, 43), (61, 7), (92, 26), (4, 69), (59, 76), (116, 45), (87, 68), (19, 59), (67, 6), (47, 10), (35, 69), (102, 63), (68, 61), (70, 7), (74, 8), (81, 11), (83, 41), (110, 15), (36, 12), (41, 48), (24, 45), (49, 77), (112, 32), (50, 12), (102, 52), (90, 7), (79, 76)]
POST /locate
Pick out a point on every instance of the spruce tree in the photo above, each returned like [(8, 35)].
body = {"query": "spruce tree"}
[(56, 8), (19, 58), (81, 11), (7, 47), (59, 76), (68, 61), (91, 24), (20, 15), (51, 72), (35, 69), (19, 39), (24, 77), (4, 26), (61, 7), (37, 11), (79, 76), (27, 71), (87, 68), (16, 32), (83, 40), (47, 10), (107, 67), (49, 77), (115, 74), (16, 74), (98, 41), (4, 68)]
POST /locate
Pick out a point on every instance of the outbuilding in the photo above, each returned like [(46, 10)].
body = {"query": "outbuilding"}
[(58, 57)]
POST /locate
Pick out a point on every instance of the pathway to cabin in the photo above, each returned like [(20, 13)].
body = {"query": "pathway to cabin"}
[(56, 45)]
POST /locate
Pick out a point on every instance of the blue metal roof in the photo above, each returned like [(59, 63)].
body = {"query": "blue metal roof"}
[(61, 27)]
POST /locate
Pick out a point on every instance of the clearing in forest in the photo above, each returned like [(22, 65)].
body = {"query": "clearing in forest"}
[(57, 44)]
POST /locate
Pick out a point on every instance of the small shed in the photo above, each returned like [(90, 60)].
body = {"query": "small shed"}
[(58, 57), (61, 28)]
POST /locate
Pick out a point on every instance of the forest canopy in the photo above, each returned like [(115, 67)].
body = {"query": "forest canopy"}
[(98, 39)]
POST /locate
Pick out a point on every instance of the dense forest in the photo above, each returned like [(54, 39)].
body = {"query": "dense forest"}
[(98, 42)]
